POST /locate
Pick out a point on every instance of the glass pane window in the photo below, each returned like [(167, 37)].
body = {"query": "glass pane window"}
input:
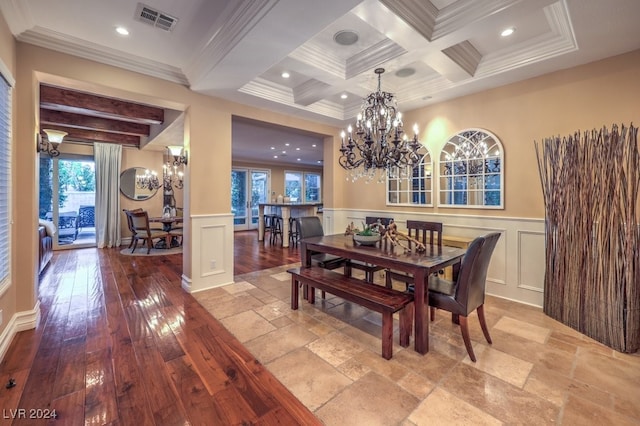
[(312, 187), (293, 186), (471, 171), (414, 188)]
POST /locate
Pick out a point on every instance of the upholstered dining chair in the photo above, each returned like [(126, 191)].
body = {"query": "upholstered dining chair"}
[(429, 234), (466, 294), (141, 229), (311, 226)]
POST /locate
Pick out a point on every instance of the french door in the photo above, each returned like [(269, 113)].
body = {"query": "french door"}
[(67, 198), (249, 187)]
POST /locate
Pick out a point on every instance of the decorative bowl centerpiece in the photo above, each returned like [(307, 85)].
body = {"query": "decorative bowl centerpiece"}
[(366, 237), (367, 240)]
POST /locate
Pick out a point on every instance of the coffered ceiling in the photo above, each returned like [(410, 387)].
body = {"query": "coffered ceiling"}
[(239, 49)]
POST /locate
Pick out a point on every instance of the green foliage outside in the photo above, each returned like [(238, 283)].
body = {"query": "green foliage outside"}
[(73, 175)]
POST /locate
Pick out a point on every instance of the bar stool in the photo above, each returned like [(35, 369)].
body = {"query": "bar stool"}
[(267, 225), (293, 231), (276, 229)]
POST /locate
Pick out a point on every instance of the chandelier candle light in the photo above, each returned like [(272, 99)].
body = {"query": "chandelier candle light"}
[(379, 146), (148, 181)]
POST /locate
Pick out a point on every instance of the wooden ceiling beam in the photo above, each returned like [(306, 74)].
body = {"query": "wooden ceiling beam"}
[(60, 99), (86, 122), (97, 136)]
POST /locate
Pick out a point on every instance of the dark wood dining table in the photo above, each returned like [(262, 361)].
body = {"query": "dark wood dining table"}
[(168, 224), (384, 254)]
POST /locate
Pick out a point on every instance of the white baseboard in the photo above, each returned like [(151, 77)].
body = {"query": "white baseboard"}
[(20, 321)]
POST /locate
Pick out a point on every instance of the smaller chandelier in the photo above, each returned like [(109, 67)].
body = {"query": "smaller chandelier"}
[(379, 146), (149, 180)]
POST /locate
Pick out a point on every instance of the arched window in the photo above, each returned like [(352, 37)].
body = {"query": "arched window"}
[(414, 188), (472, 171)]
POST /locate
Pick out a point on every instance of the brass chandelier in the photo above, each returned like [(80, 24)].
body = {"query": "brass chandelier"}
[(379, 146)]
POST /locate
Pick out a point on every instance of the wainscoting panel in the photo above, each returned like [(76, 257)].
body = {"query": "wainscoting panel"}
[(212, 259), (531, 255), (517, 266)]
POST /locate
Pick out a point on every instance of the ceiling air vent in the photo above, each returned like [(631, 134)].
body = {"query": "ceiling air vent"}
[(155, 18)]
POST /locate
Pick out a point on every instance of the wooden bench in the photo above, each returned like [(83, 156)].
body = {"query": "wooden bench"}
[(371, 296)]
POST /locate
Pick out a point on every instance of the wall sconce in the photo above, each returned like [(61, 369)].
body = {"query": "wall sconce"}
[(179, 157), (54, 139)]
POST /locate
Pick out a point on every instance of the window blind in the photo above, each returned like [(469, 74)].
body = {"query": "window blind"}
[(5, 178)]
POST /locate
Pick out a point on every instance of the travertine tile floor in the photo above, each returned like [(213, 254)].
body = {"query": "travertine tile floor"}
[(536, 372)]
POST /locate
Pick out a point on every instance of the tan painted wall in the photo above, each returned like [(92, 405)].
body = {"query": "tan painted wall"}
[(581, 98)]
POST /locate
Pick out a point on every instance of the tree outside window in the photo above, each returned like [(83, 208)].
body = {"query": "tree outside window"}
[(298, 183), (312, 192)]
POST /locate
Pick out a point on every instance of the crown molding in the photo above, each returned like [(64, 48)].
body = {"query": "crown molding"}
[(558, 41), (237, 21), (317, 56), (373, 56), (80, 48), (421, 15), (269, 91)]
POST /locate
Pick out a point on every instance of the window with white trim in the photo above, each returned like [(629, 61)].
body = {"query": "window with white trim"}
[(5, 179), (303, 187), (312, 187), (414, 187), (471, 171)]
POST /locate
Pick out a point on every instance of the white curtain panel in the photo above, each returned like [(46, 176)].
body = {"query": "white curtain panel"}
[(108, 158)]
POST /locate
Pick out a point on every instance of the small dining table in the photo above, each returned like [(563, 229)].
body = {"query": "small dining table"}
[(168, 223), (395, 257)]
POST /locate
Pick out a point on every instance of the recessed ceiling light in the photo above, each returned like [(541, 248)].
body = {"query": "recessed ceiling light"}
[(284, 152), (314, 145), (405, 72), (507, 32), (297, 149), (298, 159), (122, 31), (273, 147), (346, 37), (286, 144), (344, 96), (275, 156), (285, 75), (319, 161)]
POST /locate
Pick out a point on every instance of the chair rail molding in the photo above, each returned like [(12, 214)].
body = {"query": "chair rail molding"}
[(517, 266)]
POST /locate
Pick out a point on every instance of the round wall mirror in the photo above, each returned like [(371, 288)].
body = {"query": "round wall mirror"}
[(129, 188)]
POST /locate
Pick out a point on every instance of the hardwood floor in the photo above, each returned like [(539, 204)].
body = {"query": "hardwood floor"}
[(250, 255), (119, 342)]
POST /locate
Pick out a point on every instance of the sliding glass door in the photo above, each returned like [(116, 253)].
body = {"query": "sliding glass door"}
[(249, 187), (67, 198)]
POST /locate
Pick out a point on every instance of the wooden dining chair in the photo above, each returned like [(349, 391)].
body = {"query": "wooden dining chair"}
[(429, 234), (369, 268), (466, 294), (130, 224), (141, 229)]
